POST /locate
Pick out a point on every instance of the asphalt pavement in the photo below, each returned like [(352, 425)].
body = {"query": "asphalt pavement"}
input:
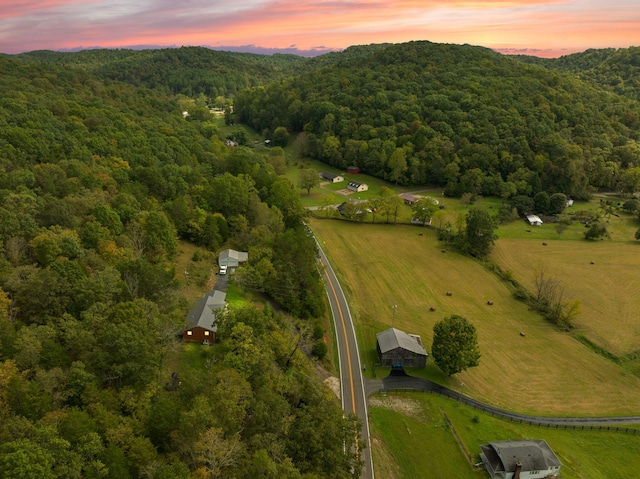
[(354, 399)]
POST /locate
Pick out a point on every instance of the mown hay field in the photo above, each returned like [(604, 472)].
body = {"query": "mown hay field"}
[(604, 276), (546, 372)]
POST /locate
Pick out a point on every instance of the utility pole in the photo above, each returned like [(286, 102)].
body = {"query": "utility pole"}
[(393, 321)]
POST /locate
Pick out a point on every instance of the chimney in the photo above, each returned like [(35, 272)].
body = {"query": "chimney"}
[(516, 473)]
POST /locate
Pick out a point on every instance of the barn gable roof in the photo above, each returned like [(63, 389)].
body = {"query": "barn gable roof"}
[(534, 455), (394, 338), (203, 312)]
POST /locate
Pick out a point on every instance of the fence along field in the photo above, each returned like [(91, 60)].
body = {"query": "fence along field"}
[(546, 372)]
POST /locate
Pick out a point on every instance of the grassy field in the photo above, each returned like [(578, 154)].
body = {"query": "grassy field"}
[(602, 275), (411, 439), (383, 265)]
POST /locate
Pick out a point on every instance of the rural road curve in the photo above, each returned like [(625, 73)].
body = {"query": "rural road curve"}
[(352, 392)]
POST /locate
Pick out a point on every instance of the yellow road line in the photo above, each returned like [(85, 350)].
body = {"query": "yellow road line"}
[(344, 331)]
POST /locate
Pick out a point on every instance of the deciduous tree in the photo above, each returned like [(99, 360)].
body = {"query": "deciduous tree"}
[(308, 178), (455, 345), (424, 208), (479, 233)]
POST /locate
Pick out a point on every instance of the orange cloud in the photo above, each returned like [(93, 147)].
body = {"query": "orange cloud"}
[(536, 25)]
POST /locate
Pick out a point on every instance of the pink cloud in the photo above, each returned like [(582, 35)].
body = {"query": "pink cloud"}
[(545, 25)]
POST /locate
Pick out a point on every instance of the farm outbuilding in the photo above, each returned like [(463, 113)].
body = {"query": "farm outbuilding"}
[(232, 258), (353, 170), (530, 459), (409, 199), (534, 220), (202, 318), (331, 177), (399, 349), (357, 186)]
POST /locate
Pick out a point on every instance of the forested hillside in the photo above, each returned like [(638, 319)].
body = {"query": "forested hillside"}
[(463, 117), (188, 70), (617, 70), (99, 180)]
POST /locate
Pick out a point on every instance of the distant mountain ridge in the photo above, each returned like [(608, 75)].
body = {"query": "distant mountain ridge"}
[(461, 116), (258, 50), (464, 117)]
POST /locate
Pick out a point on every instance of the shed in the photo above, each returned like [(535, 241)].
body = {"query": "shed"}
[(331, 177), (353, 170), (534, 220), (357, 186), (531, 459), (232, 258), (202, 318), (409, 199), (399, 349)]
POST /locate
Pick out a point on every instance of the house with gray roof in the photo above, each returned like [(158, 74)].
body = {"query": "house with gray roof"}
[(399, 349), (202, 318), (232, 258), (331, 177), (523, 459)]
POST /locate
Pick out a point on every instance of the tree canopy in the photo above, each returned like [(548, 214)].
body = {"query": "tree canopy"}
[(102, 184), (463, 117), (455, 345)]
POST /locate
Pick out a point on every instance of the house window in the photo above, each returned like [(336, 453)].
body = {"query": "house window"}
[(189, 333), (206, 333)]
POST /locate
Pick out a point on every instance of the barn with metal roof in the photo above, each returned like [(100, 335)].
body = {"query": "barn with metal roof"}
[(399, 349)]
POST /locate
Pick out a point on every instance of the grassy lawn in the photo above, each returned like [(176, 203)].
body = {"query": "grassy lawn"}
[(200, 270), (382, 265), (336, 190), (411, 439)]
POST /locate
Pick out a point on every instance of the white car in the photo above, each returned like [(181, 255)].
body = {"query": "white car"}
[(223, 269)]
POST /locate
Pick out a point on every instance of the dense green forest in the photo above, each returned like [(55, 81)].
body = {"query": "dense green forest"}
[(617, 70), (188, 70), (466, 118), (99, 181), (102, 176)]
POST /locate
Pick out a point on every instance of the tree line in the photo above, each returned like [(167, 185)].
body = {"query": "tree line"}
[(463, 117), (99, 181)]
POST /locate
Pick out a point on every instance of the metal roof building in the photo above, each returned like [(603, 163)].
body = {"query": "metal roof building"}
[(201, 319), (232, 258), (399, 349), (532, 459)]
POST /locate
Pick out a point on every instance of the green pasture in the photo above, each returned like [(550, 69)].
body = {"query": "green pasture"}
[(337, 190), (620, 225), (546, 371), (602, 275), (411, 439)]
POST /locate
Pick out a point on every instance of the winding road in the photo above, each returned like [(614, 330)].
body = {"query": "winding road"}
[(352, 392)]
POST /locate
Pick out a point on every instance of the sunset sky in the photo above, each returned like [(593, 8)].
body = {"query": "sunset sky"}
[(536, 27)]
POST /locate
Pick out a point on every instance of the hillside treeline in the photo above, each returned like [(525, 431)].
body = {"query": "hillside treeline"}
[(189, 71), (466, 118), (98, 182), (617, 70)]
